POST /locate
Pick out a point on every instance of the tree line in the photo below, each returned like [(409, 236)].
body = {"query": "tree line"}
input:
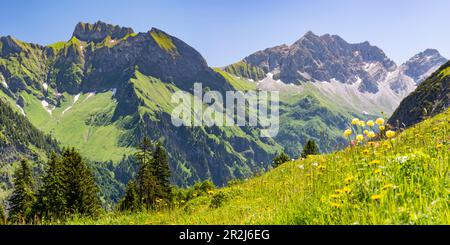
[(67, 187), (310, 148)]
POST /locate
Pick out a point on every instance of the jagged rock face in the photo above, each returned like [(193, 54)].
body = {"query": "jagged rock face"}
[(99, 31), (423, 64), (269, 59), (330, 58), (430, 98), (324, 58), (181, 64)]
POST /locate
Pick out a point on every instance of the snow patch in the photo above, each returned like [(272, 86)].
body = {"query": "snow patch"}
[(21, 109), (114, 90), (46, 106), (75, 99)]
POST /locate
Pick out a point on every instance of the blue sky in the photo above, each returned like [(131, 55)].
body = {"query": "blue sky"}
[(226, 31)]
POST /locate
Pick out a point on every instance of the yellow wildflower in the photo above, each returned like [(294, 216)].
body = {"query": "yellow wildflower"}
[(360, 137), (390, 134), (382, 128), (376, 197), (335, 205), (371, 134), (439, 146), (210, 192), (375, 162), (362, 123), (355, 121), (338, 191), (366, 151), (377, 171), (366, 132), (370, 123), (347, 132), (380, 121), (334, 196), (349, 180)]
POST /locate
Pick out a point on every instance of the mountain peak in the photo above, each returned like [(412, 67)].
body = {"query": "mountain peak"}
[(421, 65), (99, 30)]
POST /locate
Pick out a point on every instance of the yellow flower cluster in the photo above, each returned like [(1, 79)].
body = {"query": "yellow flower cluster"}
[(369, 133)]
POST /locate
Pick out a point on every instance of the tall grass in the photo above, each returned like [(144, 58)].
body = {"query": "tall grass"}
[(404, 180)]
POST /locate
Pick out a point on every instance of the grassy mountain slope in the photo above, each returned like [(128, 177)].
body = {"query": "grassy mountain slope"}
[(19, 139), (400, 181), (430, 98)]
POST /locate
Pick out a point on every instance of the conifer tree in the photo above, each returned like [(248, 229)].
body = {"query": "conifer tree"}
[(146, 181), (23, 198), (280, 159), (162, 171), (80, 188), (51, 198), (310, 148), (131, 199)]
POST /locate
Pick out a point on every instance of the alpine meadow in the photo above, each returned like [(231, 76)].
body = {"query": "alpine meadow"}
[(121, 127)]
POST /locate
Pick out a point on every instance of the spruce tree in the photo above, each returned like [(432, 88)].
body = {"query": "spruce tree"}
[(310, 148), (146, 181), (130, 201), (52, 199), (22, 198), (162, 171), (280, 159), (80, 188)]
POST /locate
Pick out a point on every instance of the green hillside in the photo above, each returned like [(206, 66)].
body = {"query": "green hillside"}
[(404, 180)]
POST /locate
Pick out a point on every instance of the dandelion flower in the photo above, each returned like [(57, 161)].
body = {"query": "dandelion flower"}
[(370, 123), (382, 128), (380, 121), (377, 171), (366, 152), (347, 132), (439, 146), (349, 180), (390, 134), (376, 197), (371, 134), (355, 121), (335, 205), (375, 162), (362, 123), (360, 137), (366, 132)]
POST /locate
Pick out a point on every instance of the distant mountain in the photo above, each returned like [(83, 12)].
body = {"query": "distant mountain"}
[(107, 87), (430, 98), (359, 71)]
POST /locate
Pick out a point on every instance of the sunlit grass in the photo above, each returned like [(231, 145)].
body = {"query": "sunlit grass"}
[(403, 180)]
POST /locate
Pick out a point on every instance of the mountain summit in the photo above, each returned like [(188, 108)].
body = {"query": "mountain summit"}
[(359, 75), (107, 87), (98, 31)]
